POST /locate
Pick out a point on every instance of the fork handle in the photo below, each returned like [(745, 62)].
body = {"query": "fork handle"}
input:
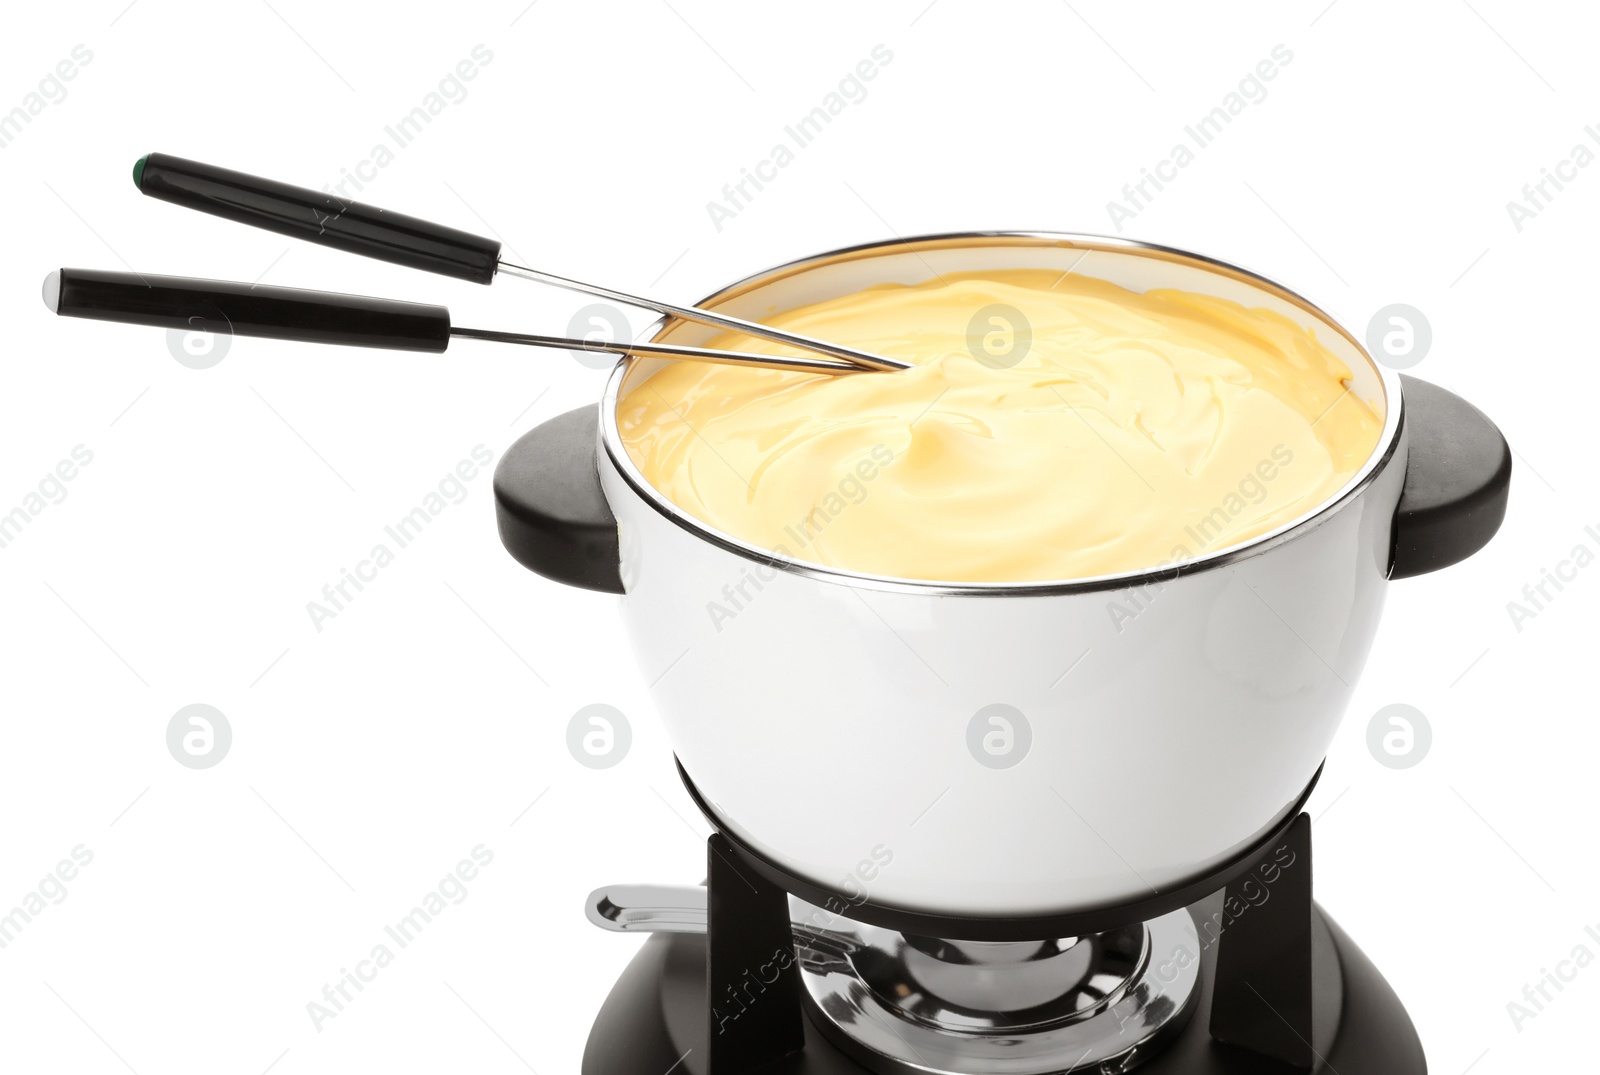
[(239, 309), (317, 217)]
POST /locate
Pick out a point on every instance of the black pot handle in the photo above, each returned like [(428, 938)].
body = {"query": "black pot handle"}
[(1457, 481), (553, 516)]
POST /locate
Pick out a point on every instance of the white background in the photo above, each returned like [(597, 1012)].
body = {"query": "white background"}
[(370, 756)]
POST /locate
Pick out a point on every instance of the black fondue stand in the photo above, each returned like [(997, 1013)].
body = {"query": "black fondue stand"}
[(1282, 990)]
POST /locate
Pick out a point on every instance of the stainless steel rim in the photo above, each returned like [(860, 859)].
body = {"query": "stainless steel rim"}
[(1388, 442)]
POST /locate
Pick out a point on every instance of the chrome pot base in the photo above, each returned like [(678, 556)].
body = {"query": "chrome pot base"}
[(905, 1005)]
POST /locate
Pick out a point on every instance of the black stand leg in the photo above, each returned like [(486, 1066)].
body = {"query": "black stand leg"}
[(752, 977), (1262, 999)]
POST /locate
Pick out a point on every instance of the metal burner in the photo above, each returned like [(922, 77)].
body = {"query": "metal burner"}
[(907, 1005), (1235, 984)]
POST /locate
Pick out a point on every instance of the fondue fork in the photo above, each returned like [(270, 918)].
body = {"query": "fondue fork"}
[(283, 313), (358, 228)]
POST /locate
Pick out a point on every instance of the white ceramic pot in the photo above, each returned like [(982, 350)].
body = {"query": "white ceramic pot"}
[(1022, 748)]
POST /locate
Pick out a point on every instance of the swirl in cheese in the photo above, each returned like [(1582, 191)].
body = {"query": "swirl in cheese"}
[(1054, 427)]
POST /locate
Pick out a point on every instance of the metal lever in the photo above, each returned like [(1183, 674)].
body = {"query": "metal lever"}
[(648, 908)]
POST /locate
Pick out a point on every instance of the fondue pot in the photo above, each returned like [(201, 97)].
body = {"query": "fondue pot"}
[(1004, 750), (968, 828)]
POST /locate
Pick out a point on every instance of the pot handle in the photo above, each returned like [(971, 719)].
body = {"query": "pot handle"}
[(1458, 478), (553, 516)]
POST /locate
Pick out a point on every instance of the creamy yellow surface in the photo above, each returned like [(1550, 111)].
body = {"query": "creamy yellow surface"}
[(1135, 431)]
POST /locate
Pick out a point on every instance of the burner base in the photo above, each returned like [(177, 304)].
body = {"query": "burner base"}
[(655, 1019)]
